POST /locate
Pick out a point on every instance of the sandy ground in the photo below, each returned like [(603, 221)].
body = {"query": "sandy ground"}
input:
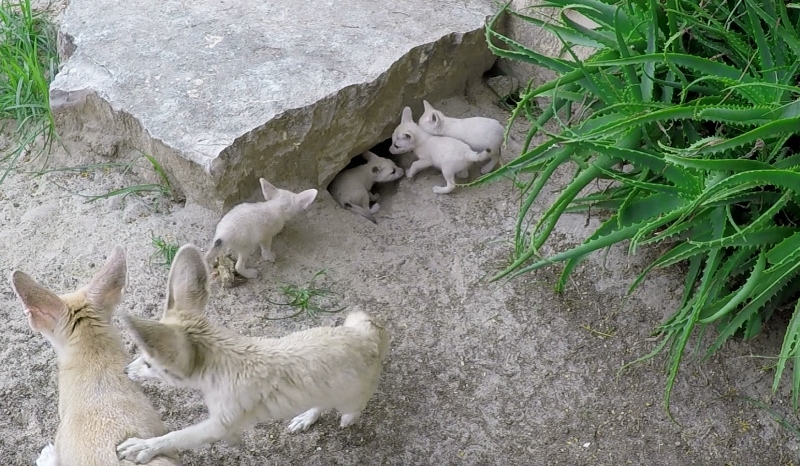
[(479, 373)]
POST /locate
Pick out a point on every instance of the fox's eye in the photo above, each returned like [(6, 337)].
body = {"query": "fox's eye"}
[(147, 364)]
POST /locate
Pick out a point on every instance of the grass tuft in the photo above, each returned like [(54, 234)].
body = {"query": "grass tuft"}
[(28, 63), (165, 249), (304, 298)]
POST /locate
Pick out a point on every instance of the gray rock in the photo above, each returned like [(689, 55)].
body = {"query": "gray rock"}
[(502, 85), (222, 92)]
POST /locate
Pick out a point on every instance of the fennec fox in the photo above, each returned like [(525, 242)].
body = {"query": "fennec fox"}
[(478, 132), (351, 188), (98, 406), (254, 224), (246, 380), (451, 156)]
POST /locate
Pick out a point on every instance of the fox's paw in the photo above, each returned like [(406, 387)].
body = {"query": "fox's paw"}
[(303, 421), (137, 450), (48, 456)]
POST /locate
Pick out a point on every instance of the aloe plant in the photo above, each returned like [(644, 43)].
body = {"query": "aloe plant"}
[(700, 104)]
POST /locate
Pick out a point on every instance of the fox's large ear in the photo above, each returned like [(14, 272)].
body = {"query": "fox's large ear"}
[(305, 198), (267, 189), (106, 288), (427, 106), (43, 307), (406, 116), (187, 285), (165, 343), (370, 156)]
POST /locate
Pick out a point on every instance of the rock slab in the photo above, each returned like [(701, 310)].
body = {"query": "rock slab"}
[(222, 92)]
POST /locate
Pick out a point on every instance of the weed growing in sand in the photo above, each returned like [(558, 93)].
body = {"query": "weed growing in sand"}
[(687, 114), (28, 62), (164, 188), (301, 297), (165, 249)]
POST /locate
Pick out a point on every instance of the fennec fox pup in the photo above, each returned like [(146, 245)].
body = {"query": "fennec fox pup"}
[(451, 156), (98, 406), (246, 380), (351, 188), (478, 132), (254, 224)]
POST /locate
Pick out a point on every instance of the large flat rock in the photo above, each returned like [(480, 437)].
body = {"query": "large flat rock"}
[(222, 92)]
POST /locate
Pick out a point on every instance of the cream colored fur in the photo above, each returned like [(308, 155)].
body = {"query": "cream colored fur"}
[(452, 156), (254, 224), (351, 188), (98, 406), (479, 133), (246, 380)]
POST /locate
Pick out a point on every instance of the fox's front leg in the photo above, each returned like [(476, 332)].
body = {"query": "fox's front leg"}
[(417, 166), (266, 250), (47, 457), (142, 451)]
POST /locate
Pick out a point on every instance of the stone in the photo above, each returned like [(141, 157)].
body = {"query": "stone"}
[(502, 85), (222, 92)]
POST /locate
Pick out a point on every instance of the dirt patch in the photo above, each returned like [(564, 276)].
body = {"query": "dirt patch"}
[(479, 373)]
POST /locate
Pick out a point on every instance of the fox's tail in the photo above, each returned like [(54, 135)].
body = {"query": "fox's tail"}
[(364, 322), (360, 211), (480, 156), (214, 252)]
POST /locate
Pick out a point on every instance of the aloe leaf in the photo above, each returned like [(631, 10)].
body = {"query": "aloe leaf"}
[(744, 292)]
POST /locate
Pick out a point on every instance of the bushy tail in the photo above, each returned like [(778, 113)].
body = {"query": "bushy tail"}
[(214, 252), (360, 211), (364, 322), (480, 156)]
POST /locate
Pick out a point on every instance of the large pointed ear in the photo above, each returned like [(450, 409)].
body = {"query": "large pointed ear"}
[(428, 107), (158, 340), (370, 156), (267, 189), (406, 116), (187, 285), (107, 285), (305, 198), (43, 307)]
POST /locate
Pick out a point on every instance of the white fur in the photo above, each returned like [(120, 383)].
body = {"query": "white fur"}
[(246, 380), (351, 188), (479, 133), (452, 156), (254, 224), (98, 406)]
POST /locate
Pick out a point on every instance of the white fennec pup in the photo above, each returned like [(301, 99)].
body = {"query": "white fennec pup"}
[(351, 188), (253, 224), (98, 406), (479, 133), (246, 380), (451, 156)]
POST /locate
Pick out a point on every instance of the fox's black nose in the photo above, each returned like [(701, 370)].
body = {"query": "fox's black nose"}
[(125, 370)]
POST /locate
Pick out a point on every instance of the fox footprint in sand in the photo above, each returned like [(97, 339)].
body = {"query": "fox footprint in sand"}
[(253, 224)]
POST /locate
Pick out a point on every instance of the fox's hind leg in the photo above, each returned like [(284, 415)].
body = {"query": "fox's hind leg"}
[(241, 260), (450, 178)]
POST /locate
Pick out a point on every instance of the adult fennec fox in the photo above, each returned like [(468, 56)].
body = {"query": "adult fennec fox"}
[(245, 380), (98, 406)]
